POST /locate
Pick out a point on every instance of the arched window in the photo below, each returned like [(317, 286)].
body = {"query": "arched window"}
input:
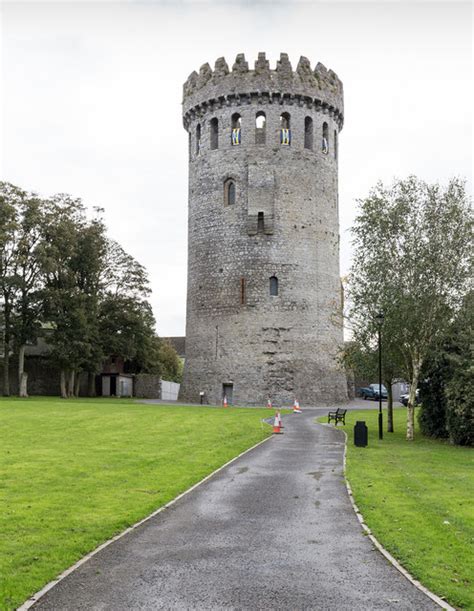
[(325, 140), (273, 286), (229, 192), (236, 132), (308, 133), (214, 126), (285, 129), (260, 127), (198, 138), (285, 120), (335, 144)]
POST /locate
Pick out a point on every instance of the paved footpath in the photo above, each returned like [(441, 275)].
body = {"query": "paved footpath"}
[(274, 530)]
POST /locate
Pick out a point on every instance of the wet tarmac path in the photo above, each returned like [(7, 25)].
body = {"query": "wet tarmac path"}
[(274, 530)]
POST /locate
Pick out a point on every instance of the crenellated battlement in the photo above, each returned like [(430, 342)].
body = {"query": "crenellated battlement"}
[(224, 86)]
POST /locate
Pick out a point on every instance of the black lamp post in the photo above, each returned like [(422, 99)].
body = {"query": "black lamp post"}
[(379, 318)]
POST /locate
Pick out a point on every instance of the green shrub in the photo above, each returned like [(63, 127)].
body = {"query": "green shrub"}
[(432, 414), (460, 406), (447, 389)]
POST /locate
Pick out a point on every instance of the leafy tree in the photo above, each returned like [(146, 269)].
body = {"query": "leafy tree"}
[(67, 304), (88, 264), (58, 267), (170, 362), (27, 302), (96, 297), (21, 224), (9, 198), (126, 321), (413, 261), (122, 275), (126, 327)]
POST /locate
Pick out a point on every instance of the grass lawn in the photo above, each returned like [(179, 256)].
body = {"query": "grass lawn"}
[(418, 500), (75, 473)]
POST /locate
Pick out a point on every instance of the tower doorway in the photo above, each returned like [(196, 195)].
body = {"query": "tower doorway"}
[(228, 392)]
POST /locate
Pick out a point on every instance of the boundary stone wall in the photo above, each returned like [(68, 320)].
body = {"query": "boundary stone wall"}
[(147, 386)]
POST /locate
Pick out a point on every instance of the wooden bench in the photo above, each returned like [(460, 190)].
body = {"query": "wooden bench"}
[(338, 416)]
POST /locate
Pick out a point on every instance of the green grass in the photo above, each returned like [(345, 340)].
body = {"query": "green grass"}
[(75, 473), (418, 500)]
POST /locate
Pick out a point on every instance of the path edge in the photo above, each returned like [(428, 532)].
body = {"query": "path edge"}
[(439, 601), (34, 598)]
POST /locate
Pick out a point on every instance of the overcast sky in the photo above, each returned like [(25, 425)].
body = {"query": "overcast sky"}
[(91, 103)]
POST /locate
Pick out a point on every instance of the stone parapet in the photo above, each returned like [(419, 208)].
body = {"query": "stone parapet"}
[(319, 88)]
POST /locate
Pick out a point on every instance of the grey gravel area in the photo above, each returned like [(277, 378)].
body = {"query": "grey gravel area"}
[(274, 530)]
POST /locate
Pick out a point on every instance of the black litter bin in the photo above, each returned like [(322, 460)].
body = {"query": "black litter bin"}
[(360, 434)]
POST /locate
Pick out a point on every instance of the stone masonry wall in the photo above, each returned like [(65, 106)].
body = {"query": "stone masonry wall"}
[(282, 346), (147, 386)]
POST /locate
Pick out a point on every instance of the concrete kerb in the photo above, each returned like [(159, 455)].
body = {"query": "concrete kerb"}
[(36, 597), (439, 601)]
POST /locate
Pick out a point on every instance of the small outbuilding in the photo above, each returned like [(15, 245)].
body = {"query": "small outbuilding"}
[(117, 385)]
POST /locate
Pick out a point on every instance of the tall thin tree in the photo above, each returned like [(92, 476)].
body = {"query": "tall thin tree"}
[(413, 260)]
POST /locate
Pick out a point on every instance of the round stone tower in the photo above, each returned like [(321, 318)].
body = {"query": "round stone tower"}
[(264, 293)]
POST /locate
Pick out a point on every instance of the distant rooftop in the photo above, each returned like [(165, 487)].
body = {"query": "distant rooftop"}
[(178, 343)]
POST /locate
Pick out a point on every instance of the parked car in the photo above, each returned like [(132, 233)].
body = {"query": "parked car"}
[(404, 398), (372, 392)]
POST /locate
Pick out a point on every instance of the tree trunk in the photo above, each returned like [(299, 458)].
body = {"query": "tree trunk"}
[(77, 383), (91, 384), (411, 402), (6, 348), (23, 385), (70, 385), (388, 384), (63, 384), (6, 369), (22, 375)]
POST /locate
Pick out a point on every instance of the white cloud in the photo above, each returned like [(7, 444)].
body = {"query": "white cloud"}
[(91, 103)]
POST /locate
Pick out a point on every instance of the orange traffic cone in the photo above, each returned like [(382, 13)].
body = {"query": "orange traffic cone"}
[(269, 403), (296, 407), (224, 402), (280, 421), (276, 426)]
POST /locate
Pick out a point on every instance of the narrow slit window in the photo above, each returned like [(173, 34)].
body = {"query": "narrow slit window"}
[(285, 129), (236, 131), (229, 192), (198, 138), (214, 126), (242, 291), (260, 127), (260, 223), (273, 286), (335, 144), (189, 145), (308, 133), (325, 140)]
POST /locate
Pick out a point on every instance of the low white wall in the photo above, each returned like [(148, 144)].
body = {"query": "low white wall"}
[(169, 390)]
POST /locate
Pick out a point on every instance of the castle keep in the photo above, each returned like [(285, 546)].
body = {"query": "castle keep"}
[(264, 294)]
